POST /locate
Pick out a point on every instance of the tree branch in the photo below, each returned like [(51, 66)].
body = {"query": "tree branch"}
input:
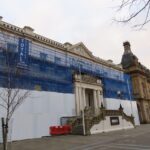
[(3, 106), (144, 7), (19, 101)]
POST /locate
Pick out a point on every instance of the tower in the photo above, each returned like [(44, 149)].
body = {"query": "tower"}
[(128, 58), (140, 76)]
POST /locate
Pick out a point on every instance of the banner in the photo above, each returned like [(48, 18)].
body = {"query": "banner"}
[(23, 51)]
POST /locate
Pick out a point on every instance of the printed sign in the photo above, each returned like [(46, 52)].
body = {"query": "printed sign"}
[(23, 51), (114, 121)]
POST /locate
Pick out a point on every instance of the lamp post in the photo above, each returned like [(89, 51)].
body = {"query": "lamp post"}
[(82, 111), (119, 94)]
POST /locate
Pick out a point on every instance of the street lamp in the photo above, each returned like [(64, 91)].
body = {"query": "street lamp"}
[(119, 94)]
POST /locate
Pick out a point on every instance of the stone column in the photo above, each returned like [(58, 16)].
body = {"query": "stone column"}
[(102, 98), (77, 100), (95, 102), (83, 97), (80, 98), (99, 98)]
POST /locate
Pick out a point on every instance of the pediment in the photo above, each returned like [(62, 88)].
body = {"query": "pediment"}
[(81, 49)]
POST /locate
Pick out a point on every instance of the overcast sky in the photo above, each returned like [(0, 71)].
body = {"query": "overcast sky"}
[(89, 21)]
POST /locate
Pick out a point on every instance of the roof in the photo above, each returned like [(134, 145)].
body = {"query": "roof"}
[(28, 32)]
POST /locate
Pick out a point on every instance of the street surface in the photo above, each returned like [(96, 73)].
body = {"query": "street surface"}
[(132, 139)]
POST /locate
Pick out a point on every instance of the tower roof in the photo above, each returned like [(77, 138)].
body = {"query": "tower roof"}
[(128, 58)]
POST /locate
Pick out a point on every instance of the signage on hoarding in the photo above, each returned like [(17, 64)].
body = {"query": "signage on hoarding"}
[(114, 121), (23, 52)]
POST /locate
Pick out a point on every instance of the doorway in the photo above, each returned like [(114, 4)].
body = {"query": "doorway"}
[(89, 98)]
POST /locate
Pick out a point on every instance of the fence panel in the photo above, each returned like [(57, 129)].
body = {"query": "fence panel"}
[(1, 133)]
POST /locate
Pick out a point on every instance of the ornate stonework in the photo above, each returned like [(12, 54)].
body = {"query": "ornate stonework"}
[(88, 92), (91, 119), (78, 49), (87, 79), (140, 81), (81, 49)]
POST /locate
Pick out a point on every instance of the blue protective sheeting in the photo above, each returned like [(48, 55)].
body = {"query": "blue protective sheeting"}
[(45, 76), (53, 71), (116, 89)]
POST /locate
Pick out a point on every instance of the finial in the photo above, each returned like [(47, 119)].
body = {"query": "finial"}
[(1, 18), (120, 107), (127, 48)]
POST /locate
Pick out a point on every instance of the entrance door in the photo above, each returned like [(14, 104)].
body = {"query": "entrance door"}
[(89, 98)]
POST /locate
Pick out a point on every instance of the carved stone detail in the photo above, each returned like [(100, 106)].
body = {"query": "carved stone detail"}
[(91, 119), (87, 79)]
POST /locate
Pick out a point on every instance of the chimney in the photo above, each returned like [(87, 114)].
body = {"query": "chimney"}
[(28, 29), (127, 48), (1, 18)]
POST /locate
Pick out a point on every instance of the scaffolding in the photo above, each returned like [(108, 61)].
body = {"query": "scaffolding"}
[(53, 70)]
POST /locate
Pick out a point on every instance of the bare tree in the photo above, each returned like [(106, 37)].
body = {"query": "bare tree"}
[(137, 10), (11, 96)]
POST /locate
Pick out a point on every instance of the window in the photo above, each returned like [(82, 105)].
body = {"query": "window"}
[(35, 67), (43, 56), (2, 60), (57, 60), (11, 47), (11, 57), (2, 47), (144, 89)]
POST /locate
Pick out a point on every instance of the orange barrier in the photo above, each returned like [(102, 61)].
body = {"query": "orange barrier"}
[(59, 130)]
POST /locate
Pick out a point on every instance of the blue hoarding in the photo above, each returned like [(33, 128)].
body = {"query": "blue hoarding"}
[(23, 51)]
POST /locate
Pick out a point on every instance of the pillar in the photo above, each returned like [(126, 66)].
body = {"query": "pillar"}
[(80, 98), (95, 101), (99, 98), (77, 100), (102, 98), (83, 98)]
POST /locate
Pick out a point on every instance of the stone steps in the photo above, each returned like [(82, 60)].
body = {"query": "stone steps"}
[(78, 130)]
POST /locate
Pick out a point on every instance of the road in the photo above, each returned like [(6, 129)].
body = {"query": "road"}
[(132, 139)]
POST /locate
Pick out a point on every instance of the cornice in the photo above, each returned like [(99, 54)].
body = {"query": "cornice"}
[(21, 32), (139, 70), (43, 40)]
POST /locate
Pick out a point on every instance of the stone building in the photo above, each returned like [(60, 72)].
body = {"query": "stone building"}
[(65, 79), (140, 81)]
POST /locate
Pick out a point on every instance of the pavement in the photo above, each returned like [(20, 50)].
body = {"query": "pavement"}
[(131, 139)]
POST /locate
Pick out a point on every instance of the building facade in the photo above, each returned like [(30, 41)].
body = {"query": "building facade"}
[(140, 76), (63, 80)]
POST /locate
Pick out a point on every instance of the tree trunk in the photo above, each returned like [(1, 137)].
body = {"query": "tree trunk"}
[(5, 134)]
